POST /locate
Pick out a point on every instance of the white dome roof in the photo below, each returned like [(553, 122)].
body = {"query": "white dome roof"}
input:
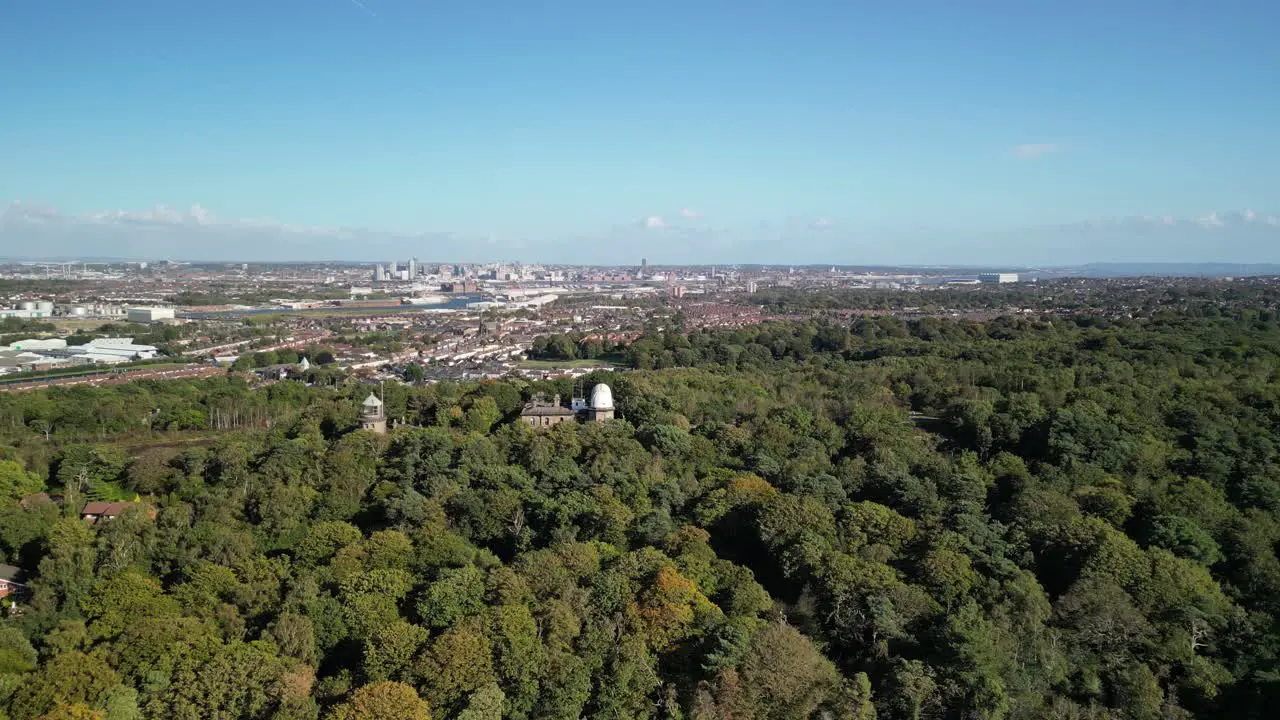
[(372, 401), (601, 397)]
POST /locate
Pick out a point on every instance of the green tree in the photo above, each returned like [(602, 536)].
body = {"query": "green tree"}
[(121, 703), (239, 680), (484, 704), (77, 711), (295, 635), (457, 593), (390, 652), (124, 598), (16, 483), (459, 662), (71, 678), (784, 676), (383, 701), (482, 414)]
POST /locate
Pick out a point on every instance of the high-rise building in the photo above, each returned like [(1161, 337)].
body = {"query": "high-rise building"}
[(379, 273), (413, 268)]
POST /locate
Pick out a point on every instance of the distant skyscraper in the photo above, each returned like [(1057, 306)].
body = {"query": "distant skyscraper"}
[(644, 263), (413, 268), (379, 273)]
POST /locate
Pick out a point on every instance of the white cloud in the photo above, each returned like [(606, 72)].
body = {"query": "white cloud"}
[(1030, 151), (1211, 220), (690, 214), (18, 211), (33, 231), (158, 215), (200, 215)]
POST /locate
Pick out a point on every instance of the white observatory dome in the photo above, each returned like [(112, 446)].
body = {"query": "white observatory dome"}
[(601, 397)]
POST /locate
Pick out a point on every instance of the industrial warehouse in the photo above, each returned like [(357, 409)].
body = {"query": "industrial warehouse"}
[(51, 354)]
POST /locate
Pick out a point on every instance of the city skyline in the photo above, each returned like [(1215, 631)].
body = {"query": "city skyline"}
[(1239, 236), (924, 132)]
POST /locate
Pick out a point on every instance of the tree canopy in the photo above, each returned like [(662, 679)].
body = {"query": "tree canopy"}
[(1043, 516)]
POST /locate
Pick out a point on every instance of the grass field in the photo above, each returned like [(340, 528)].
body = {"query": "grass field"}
[(73, 323)]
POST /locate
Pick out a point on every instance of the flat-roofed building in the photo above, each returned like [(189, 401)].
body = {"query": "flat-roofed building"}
[(997, 278), (149, 314), (39, 344)]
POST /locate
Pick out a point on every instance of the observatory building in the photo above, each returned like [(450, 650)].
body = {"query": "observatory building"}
[(373, 415), (541, 412), (601, 406)]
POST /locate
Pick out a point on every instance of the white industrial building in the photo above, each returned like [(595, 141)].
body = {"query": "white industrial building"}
[(97, 358), (536, 302), (998, 278), (27, 360), (46, 354), (37, 345), (107, 351), (12, 361), (150, 314), (121, 346)]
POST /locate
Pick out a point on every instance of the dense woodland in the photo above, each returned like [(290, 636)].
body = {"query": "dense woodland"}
[(572, 346), (1133, 295), (1059, 516)]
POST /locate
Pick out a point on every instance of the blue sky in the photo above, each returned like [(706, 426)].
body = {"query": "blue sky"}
[(772, 131)]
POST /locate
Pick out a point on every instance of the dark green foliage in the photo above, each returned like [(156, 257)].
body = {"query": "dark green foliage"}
[(1058, 516)]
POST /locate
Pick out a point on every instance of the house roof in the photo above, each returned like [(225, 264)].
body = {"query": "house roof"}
[(539, 410), (105, 508), (10, 573), (372, 401), (539, 405)]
